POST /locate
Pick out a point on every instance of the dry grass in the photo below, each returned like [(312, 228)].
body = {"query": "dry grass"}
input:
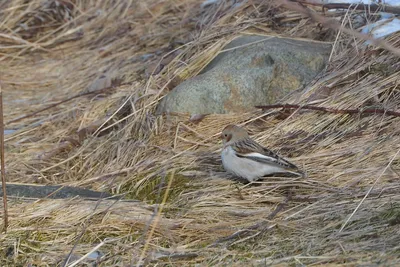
[(52, 50)]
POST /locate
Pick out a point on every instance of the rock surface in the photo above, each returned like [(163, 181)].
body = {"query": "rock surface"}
[(50, 191), (259, 71)]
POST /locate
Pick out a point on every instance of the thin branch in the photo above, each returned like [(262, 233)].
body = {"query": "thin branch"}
[(3, 170), (286, 107)]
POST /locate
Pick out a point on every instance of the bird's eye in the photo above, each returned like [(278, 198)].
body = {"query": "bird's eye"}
[(225, 135)]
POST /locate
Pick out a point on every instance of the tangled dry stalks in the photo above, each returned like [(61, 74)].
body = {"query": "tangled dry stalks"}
[(117, 59)]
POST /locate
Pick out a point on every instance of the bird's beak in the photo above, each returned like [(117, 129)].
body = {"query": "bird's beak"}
[(222, 139)]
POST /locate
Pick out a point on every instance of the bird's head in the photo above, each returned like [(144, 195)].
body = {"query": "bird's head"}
[(232, 133)]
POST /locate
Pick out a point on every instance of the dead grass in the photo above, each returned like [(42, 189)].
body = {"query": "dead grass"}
[(52, 50)]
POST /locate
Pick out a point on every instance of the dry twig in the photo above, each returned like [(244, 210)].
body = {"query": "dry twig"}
[(288, 107), (3, 171)]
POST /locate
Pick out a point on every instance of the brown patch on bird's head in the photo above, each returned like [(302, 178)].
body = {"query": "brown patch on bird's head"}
[(233, 133), (226, 137)]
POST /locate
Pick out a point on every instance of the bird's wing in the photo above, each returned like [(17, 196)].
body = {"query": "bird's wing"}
[(248, 148)]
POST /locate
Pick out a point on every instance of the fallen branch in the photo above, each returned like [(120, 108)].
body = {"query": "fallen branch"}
[(288, 107)]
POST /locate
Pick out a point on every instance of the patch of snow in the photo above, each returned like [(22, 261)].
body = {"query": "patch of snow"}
[(209, 2), (387, 29), (94, 255), (385, 15), (382, 28)]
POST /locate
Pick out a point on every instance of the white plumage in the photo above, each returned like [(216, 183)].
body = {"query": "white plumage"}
[(245, 158), (248, 168)]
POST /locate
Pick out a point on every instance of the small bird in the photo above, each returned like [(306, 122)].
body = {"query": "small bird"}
[(244, 157)]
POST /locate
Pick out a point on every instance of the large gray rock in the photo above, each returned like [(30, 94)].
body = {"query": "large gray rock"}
[(259, 71)]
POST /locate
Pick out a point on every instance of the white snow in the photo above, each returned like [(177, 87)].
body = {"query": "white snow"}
[(382, 28)]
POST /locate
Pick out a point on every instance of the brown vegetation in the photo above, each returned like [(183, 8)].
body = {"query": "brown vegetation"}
[(108, 139)]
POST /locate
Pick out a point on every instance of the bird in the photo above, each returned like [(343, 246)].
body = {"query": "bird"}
[(244, 157)]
